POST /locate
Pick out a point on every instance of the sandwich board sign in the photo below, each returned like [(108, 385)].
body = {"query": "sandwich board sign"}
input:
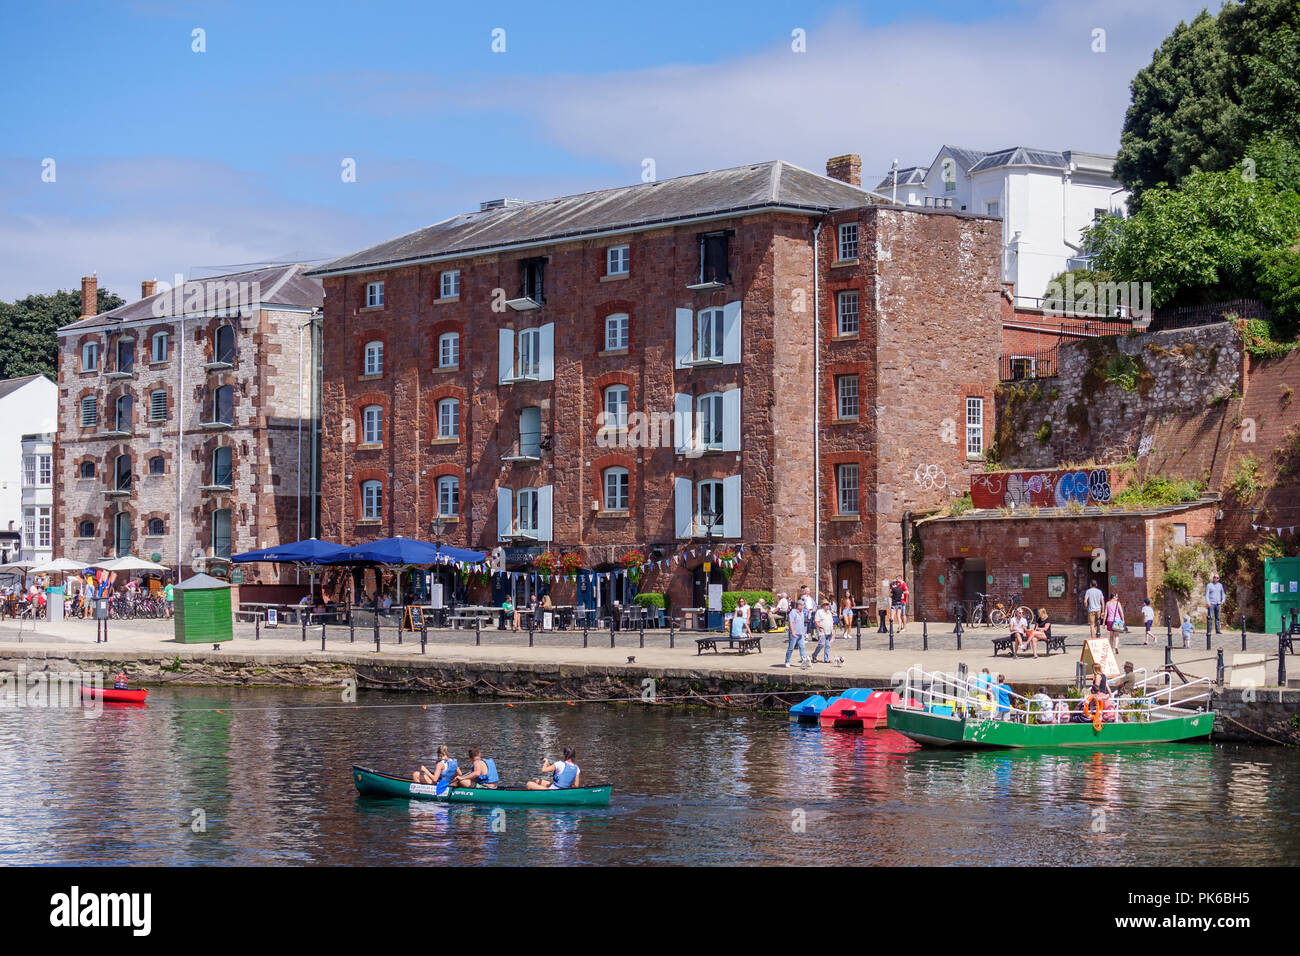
[(1097, 650)]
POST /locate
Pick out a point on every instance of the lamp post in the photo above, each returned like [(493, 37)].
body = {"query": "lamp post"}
[(710, 518), (436, 527)]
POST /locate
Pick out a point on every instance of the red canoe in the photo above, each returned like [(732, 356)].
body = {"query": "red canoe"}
[(111, 695)]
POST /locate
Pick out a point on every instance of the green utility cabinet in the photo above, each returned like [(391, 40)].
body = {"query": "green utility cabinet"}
[(203, 613), (1281, 592)]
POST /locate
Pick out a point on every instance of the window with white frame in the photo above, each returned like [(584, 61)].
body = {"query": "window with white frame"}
[(29, 470), (449, 418), (708, 420), (122, 534), (529, 353), (449, 496), (846, 389), (123, 413), (223, 350), (29, 527), (709, 499), (160, 346), (221, 536), (449, 284), (372, 425), (616, 327), (122, 473), (374, 363), (616, 489), (38, 527), (616, 405), (991, 207), (223, 470), (44, 470), (449, 350), (89, 412), (374, 294), (372, 500), (90, 357), (617, 260), (158, 405), (526, 513), (848, 240), (974, 426), (847, 310), (709, 334), (846, 480)]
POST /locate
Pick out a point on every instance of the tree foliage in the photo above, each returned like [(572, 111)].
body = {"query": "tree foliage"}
[(1214, 85), (1205, 241), (28, 330)]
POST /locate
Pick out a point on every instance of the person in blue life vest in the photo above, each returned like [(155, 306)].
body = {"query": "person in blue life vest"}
[(482, 772), (442, 774), (564, 773)]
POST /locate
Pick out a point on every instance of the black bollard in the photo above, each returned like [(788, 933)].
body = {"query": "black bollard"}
[(1169, 633), (584, 632), (376, 631), (672, 637), (857, 622), (1169, 657), (1281, 659), (611, 627), (891, 635), (352, 631), (1243, 632), (322, 635), (257, 628), (642, 629), (1219, 669), (530, 634), (925, 634), (958, 633), (478, 633), (424, 636), (303, 618), (1207, 632)]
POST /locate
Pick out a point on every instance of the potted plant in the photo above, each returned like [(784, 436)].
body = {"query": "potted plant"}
[(570, 564), (544, 563), (633, 563)]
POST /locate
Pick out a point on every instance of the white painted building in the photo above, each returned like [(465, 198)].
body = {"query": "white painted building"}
[(28, 405), (38, 497), (1045, 199)]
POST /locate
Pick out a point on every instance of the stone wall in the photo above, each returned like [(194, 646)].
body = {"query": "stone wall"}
[(1084, 413)]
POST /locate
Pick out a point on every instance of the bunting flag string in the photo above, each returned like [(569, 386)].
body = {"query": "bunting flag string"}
[(1278, 531)]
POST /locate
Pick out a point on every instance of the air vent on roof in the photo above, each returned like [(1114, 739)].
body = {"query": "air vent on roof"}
[(499, 204)]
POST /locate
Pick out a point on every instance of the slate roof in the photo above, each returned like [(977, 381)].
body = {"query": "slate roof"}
[(284, 285), (11, 385), (740, 189), (908, 176)]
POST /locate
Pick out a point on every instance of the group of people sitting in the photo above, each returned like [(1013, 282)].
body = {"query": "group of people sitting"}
[(482, 772), (1028, 633)]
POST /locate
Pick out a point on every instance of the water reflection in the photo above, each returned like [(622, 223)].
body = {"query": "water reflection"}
[(269, 772)]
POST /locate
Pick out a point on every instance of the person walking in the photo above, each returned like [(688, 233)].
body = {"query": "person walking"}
[(1093, 600), (846, 614), (1148, 619), (1114, 619), (797, 624), (896, 603), (825, 624), (1214, 604)]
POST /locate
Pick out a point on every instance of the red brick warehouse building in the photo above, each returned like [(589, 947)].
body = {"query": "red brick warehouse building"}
[(490, 369)]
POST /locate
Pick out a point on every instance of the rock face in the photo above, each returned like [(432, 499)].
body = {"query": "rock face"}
[(1110, 393)]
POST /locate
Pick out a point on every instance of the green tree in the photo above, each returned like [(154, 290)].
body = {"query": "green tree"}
[(1213, 86), (28, 330), (1201, 242)]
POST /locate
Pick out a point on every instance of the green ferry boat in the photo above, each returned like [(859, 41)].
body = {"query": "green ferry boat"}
[(372, 783), (950, 711)]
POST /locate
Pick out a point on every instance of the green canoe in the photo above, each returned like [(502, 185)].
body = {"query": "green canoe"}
[(937, 730), (371, 783)]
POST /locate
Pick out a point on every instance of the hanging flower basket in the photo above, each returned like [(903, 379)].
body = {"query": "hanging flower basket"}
[(544, 563), (570, 564), (633, 563)]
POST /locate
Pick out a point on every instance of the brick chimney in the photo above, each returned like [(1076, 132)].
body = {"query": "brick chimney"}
[(148, 287), (89, 296), (846, 168)]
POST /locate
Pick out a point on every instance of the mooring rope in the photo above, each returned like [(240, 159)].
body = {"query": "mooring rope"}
[(1254, 731)]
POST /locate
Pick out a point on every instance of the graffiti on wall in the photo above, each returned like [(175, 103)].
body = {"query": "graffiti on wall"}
[(1043, 489)]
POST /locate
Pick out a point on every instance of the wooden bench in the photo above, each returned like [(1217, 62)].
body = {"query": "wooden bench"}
[(754, 643), (1007, 643)]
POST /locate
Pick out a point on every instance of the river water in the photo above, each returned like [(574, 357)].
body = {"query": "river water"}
[(241, 776)]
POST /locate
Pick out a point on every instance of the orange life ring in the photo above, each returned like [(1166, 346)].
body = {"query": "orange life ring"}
[(1095, 713)]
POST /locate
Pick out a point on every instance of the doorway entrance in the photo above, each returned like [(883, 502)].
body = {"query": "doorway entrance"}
[(848, 579)]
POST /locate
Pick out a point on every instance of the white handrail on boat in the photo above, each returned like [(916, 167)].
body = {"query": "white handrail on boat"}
[(977, 699)]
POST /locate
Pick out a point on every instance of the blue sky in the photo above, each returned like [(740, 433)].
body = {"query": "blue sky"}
[(169, 160)]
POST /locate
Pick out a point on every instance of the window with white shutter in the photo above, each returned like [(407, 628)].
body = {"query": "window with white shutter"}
[(89, 412), (158, 405)]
